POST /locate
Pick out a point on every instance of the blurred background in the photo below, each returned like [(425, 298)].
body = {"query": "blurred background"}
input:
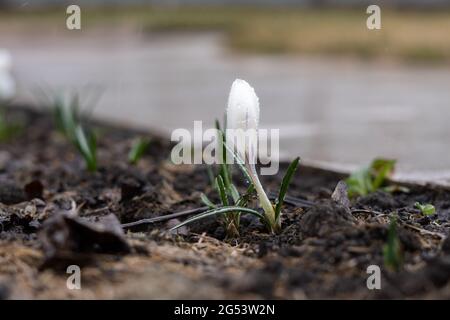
[(340, 94)]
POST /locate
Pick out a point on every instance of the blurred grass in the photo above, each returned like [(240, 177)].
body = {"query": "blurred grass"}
[(406, 36)]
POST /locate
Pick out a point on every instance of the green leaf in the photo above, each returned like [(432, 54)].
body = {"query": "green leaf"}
[(93, 143), (87, 147), (370, 179), (67, 116), (222, 191), (426, 209), (234, 193), (381, 169), (284, 186), (224, 167), (138, 149), (219, 211), (359, 182), (206, 201)]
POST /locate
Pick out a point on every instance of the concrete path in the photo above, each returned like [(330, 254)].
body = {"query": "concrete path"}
[(336, 112)]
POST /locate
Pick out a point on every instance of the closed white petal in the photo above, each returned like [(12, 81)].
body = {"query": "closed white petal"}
[(243, 119), (243, 106)]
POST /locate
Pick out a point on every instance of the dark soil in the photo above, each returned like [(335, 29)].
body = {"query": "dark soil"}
[(54, 213)]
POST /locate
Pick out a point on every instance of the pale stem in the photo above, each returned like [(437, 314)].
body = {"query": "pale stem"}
[(262, 196)]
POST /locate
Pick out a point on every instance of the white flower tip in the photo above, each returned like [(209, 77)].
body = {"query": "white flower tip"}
[(243, 106)]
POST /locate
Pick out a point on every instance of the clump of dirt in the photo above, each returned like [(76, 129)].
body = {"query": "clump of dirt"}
[(53, 213), (324, 219)]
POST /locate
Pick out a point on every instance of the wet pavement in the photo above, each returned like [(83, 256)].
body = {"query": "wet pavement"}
[(341, 113)]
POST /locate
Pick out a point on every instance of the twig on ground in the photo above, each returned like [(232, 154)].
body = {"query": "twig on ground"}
[(377, 213), (424, 231)]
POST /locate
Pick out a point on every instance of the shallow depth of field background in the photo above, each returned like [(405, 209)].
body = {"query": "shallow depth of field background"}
[(339, 93)]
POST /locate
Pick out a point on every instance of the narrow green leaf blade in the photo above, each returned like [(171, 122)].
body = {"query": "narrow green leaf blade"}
[(222, 191), (285, 184), (234, 193), (204, 198), (222, 210), (137, 150), (85, 147)]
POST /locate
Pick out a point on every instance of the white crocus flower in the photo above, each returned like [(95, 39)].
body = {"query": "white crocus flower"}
[(242, 145), (7, 84), (242, 134)]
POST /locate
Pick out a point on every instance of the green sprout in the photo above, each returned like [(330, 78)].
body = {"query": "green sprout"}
[(370, 179), (240, 207), (224, 185), (392, 252), (426, 209), (87, 146), (68, 121), (137, 150)]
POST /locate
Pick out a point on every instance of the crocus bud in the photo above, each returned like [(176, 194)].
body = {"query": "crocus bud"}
[(243, 106), (7, 84), (242, 134), (242, 120)]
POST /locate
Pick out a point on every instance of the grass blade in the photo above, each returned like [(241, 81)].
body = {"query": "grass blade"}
[(222, 191), (137, 150), (234, 193), (87, 148), (206, 201), (285, 184), (224, 168)]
